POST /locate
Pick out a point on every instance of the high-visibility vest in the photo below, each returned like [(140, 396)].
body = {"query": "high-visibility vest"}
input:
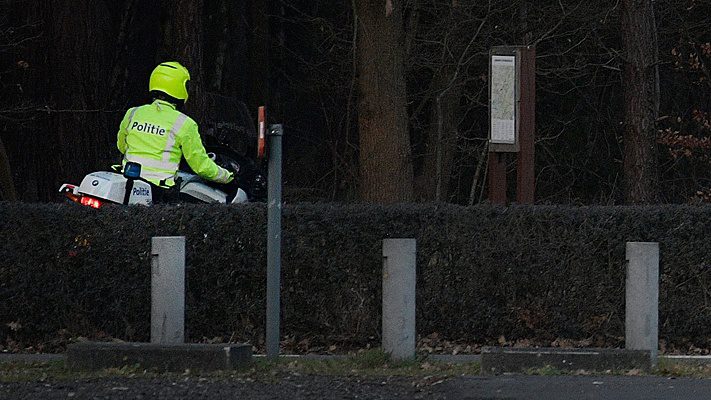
[(156, 135)]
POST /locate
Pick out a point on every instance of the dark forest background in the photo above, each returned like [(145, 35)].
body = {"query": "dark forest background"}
[(382, 100)]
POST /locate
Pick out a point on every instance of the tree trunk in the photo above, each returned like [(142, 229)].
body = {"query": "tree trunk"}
[(234, 82), (219, 28), (79, 139), (441, 138), (182, 22), (259, 54), (7, 184), (641, 101), (384, 153)]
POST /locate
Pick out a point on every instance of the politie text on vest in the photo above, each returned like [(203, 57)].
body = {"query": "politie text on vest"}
[(148, 128)]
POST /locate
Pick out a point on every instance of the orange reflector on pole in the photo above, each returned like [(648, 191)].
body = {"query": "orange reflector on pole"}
[(262, 139)]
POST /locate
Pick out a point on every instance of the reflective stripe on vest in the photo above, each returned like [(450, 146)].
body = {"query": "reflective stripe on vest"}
[(130, 117), (157, 175), (147, 162), (172, 134), (222, 176)]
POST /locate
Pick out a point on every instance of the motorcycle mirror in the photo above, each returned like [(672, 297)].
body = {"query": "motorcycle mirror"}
[(262, 139)]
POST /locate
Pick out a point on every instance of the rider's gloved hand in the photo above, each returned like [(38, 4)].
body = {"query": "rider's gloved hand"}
[(223, 176)]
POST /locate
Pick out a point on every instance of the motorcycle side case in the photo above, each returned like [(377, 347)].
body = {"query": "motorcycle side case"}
[(197, 189), (206, 194), (203, 193), (112, 187)]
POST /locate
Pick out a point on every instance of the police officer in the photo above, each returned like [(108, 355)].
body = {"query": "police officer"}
[(157, 135)]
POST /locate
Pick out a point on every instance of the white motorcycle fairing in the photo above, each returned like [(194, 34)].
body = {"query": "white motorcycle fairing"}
[(110, 186)]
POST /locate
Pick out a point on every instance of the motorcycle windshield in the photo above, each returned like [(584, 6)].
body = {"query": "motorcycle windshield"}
[(229, 121)]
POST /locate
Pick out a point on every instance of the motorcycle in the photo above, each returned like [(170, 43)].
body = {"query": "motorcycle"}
[(124, 185)]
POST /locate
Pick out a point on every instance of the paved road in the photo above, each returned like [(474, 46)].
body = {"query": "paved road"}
[(324, 387), (287, 388), (576, 387)]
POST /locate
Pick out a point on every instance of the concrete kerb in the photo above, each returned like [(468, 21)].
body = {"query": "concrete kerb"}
[(93, 356), (36, 358), (496, 360), (698, 361)]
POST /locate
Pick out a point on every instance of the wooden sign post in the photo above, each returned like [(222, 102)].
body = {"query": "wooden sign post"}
[(512, 120)]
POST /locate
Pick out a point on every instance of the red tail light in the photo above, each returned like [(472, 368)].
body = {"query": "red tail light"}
[(90, 202)]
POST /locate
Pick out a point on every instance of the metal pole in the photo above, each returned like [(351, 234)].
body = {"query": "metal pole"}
[(642, 298), (274, 241), (399, 277), (168, 290)]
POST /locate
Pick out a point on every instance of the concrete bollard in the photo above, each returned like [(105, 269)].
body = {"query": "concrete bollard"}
[(642, 298), (168, 290), (399, 264)]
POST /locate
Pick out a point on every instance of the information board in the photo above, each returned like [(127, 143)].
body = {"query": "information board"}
[(503, 99)]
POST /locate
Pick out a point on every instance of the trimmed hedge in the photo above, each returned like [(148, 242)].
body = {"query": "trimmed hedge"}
[(523, 272)]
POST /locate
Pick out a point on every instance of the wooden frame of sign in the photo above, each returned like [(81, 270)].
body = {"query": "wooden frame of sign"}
[(512, 112)]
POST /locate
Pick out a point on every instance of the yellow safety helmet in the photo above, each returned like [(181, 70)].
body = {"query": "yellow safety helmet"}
[(170, 78)]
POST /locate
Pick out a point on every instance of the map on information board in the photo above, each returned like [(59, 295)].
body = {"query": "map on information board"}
[(503, 99)]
